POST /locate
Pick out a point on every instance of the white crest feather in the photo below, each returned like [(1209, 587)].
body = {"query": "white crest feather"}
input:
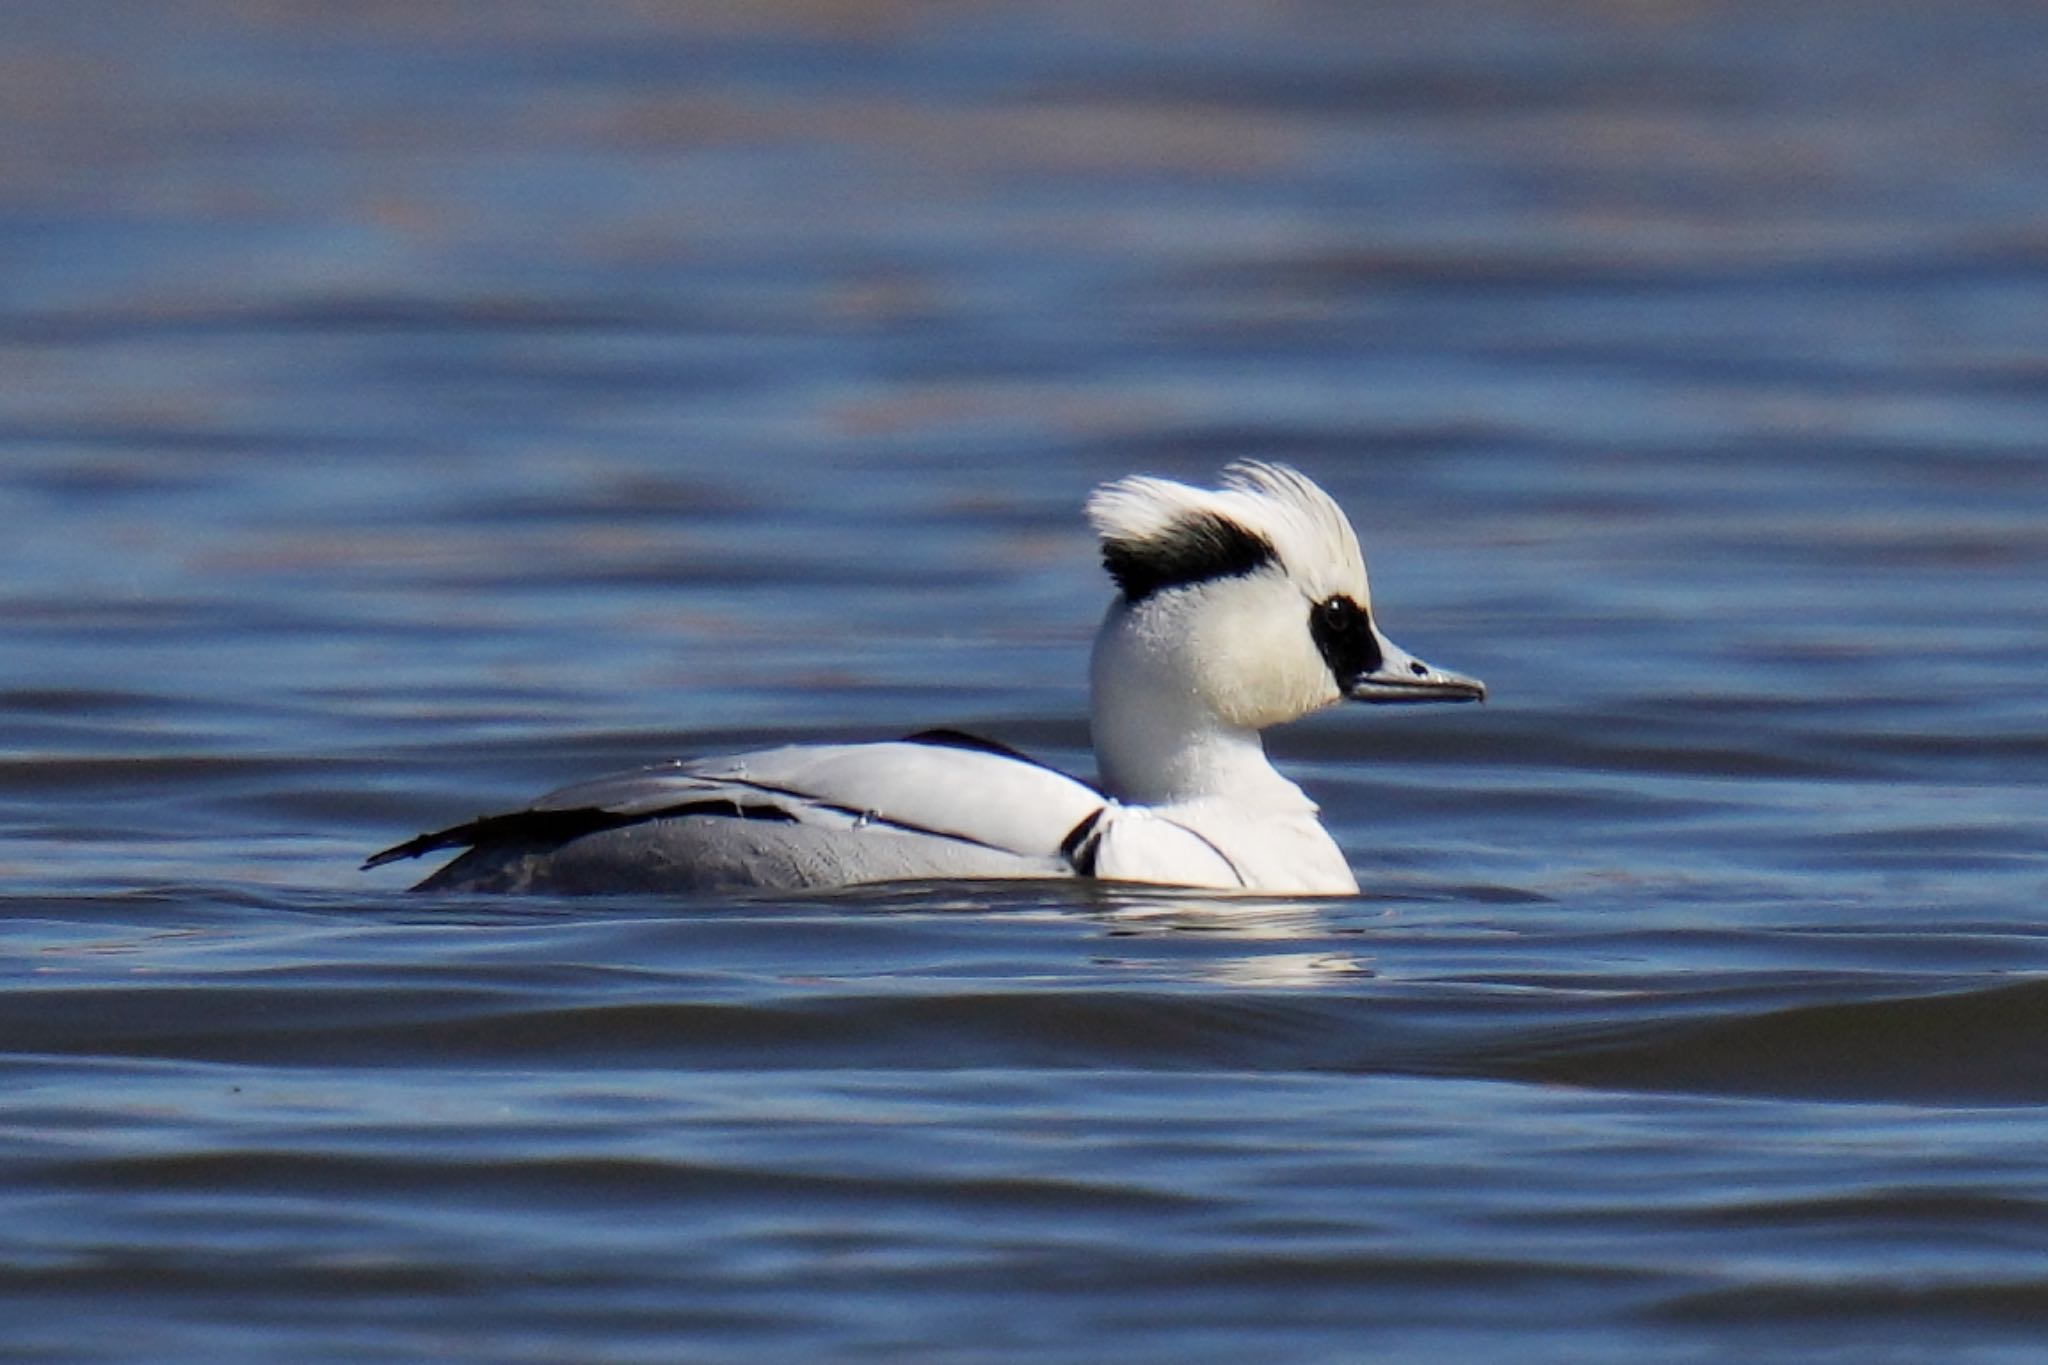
[(1308, 531)]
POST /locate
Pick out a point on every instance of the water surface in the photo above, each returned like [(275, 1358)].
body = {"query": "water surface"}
[(404, 412)]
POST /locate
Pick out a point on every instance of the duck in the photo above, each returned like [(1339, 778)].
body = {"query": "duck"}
[(1237, 608)]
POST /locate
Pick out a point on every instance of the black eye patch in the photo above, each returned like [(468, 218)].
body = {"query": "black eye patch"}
[(1343, 632), (1194, 549)]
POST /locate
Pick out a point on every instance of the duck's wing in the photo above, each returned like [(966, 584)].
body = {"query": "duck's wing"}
[(941, 785)]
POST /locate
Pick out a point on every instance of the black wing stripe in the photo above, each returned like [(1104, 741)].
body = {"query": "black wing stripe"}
[(1084, 841), (557, 827), (961, 739)]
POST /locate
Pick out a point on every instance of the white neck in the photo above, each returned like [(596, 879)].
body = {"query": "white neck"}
[(1158, 741)]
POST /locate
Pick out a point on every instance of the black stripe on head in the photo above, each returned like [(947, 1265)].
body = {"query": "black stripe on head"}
[(1194, 549)]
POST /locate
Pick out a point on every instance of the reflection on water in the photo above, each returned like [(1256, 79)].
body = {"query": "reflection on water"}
[(403, 411), (1283, 971), (1247, 923)]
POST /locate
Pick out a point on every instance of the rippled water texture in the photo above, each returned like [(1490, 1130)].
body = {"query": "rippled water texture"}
[(404, 409)]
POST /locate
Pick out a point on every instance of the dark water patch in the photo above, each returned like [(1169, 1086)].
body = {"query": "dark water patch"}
[(2017, 1304), (136, 775), (398, 1024), (1200, 448), (1393, 1271), (1582, 270), (1931, 1209), (104, 477), (1818, 1015), (639, 1184), (1396, 88), (402, 315), (86, 704), (1966, 1047), (167, 1278)]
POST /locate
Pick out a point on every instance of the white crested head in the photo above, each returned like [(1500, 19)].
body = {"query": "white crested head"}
[(1159, 534), (1241, 607), (1219, 587)]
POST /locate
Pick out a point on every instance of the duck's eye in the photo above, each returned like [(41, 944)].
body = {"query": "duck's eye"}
[(1343, 632), (1340, 615)]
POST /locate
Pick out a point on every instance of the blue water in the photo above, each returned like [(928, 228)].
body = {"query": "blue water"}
[(406, 410)]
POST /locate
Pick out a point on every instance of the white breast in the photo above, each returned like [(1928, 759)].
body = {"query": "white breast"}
[(1219, 843)]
